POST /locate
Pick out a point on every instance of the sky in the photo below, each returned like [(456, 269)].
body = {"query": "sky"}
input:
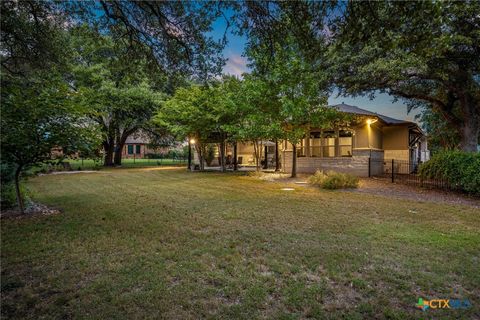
[(236, 64)]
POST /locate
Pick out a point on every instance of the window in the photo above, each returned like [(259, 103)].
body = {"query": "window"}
[(137, 149), (130, 149)]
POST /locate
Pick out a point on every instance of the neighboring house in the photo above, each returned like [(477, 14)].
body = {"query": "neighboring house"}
[(348, 149), (137, 146)]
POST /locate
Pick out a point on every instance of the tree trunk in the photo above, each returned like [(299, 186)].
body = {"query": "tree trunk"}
[(200, 153), (257, 156), (294, 161), (108, 146), (265, 165), (222, 155), (189, 155), (470, 129), (119, 150), (277, 165), (17, 190)]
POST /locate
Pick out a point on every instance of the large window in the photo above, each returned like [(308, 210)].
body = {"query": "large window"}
[(130, 149), (328, 143), (137, 149)]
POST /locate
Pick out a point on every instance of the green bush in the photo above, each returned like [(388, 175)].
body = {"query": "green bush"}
[(460, 169), (333, 180)]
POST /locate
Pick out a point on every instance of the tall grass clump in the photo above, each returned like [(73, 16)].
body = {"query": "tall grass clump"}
[(333, 180)]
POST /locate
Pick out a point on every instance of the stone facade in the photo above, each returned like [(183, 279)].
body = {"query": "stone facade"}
[(356, 165)]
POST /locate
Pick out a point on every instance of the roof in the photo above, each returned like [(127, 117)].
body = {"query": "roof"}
[(356, 110), (137, 138)]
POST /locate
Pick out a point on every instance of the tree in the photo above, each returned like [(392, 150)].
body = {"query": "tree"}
[(425, 52), (37, 117), (175, 32), (38, 113), (116, 88), (440, 136), (194, 113), (297, 82)]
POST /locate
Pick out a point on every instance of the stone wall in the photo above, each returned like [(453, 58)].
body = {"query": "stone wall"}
[(356, 165)]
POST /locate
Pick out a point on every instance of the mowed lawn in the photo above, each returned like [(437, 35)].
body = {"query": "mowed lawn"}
[(164, 243)]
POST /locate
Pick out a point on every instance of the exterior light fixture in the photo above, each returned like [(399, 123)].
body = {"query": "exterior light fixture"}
[(370, 121), (192, 141)]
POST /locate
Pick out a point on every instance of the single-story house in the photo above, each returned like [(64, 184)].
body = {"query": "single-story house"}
[(347, 149), (373, 136), (138, 146)]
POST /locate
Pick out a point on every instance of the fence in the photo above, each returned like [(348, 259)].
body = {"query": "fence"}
[(406, 172)]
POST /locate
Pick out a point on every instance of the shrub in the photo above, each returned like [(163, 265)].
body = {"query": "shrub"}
[(460, 169), (333, 180)]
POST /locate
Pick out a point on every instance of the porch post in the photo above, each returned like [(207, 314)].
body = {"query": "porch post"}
[(189, 155), (307, 144), (337, 141), (277, 167), (265, 165), (321, 143), (235, 163)]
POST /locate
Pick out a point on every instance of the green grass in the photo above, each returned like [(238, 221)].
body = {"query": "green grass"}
[(88, 164), (165, 243)]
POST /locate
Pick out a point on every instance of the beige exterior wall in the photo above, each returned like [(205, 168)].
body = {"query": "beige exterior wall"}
[(368, 136), (395, 138)]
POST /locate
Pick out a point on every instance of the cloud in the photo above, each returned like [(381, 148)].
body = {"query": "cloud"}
[(236, 65)]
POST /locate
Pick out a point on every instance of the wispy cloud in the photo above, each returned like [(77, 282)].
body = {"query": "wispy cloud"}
[(236, 65)]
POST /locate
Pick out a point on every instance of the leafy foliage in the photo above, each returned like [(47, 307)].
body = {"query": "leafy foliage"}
[(115, 88), (460, 169), (424, 52)]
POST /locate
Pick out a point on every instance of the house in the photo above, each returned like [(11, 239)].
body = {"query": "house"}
[(361, 149), (138, 146)]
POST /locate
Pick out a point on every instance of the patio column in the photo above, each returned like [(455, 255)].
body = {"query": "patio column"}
[(235, 163), (337, 141), (277, 167), (321, 143), (307, 145), (265, 165)]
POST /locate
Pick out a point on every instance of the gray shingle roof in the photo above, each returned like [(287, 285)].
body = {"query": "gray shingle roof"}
[(356, 110)]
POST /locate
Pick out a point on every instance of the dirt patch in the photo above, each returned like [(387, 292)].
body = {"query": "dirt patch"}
[(394, 190), (33, 210)]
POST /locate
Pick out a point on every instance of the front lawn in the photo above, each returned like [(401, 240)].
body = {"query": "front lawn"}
[(164, 243)]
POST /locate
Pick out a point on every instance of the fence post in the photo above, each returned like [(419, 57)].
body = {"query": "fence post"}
[(369, 165), (393, 174)]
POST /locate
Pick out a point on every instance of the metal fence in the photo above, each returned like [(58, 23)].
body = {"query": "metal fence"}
[(406, 172)]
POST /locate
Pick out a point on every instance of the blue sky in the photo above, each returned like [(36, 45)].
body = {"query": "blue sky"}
[(237, 64)]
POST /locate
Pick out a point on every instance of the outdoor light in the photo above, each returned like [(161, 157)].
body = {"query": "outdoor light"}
[(370, 121), (192, 141)]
